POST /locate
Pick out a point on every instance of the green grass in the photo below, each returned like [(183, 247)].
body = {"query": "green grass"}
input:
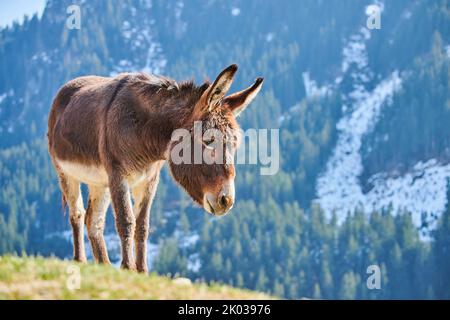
[(49, 278)]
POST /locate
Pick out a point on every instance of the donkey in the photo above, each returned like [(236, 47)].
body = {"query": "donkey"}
[(115, 134)]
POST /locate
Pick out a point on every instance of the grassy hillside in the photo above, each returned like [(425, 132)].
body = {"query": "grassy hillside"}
[(42, 278)]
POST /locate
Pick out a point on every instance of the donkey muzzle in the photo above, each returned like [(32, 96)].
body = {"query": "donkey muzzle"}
[(220, 204)]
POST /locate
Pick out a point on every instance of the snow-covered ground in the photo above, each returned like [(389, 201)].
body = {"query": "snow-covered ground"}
[(312, 89), (144, 51), (5, 95), (338, 188)]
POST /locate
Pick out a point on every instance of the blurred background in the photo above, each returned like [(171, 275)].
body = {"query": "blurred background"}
[(364, 119)]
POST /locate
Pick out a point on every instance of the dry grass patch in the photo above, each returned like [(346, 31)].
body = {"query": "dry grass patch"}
[(44, 278)]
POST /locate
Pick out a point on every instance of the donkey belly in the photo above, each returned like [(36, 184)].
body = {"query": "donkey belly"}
[(97, 176), (88, 174)]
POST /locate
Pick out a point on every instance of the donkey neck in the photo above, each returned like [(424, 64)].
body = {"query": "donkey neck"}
[(161, 122), (165, 106)]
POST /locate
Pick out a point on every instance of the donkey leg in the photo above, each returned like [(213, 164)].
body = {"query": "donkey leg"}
[(72, 193), (143, 195), (125, 222), (99, 200)]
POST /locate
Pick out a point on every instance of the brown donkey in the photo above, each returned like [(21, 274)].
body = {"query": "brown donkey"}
[(114, 134)]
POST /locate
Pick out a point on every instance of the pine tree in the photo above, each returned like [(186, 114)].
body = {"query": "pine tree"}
[(348, 288)]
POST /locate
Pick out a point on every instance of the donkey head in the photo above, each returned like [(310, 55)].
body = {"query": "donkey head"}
[(207, 171)]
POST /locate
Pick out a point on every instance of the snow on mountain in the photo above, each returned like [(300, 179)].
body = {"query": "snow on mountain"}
[(338, 188), (144, 51), (422, 190), (235, 11), (312, 89), (3, 96)]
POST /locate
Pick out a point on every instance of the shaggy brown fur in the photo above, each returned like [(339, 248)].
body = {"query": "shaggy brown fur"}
[(116, 132)]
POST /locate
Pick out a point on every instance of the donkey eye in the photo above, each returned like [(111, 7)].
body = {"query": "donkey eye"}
[(208, 142)]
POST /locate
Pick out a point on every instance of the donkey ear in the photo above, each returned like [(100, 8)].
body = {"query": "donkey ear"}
[(221, 85), (238, 101)]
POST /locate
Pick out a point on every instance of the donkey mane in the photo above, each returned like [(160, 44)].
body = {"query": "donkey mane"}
[(149, 85)]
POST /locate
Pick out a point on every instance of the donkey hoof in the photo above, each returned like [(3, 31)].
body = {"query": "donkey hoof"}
[(128, 266), (80, 259), (142, 269)]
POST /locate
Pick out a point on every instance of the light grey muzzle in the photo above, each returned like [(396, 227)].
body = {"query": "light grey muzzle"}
[(222, 203)]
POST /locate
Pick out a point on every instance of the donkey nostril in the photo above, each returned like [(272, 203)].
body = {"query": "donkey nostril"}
[(225, 201)]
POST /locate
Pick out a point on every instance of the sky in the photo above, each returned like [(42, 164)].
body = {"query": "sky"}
[(11, 10)]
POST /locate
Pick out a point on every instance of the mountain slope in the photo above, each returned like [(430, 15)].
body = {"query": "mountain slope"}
[(39, 278)]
